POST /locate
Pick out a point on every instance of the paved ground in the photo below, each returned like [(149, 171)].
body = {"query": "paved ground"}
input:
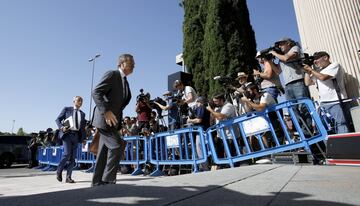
[(249, 185)]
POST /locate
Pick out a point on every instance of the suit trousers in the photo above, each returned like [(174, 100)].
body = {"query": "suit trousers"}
[(107, 162), (70, 143)]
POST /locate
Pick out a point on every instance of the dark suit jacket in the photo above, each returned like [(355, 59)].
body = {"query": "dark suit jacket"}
[(64, 114), (108, 95)]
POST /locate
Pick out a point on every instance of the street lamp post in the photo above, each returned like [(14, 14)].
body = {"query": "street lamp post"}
[(12, 128), (92, 81)]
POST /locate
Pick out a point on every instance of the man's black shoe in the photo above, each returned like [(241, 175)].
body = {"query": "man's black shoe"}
[(59, 177), (69, 180)]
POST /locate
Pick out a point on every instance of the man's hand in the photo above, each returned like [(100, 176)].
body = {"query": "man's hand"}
[(110, 118), (307, 68), (245, 99), (256, 72)]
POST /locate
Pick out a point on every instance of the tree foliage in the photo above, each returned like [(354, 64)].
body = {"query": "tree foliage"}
[(21, 132), (218, 41)]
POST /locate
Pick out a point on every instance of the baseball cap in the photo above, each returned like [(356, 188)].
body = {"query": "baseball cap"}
[(241, 74), (319, 54)]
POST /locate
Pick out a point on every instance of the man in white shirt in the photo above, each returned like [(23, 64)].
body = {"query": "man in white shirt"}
[(328, 77), (189, 93)]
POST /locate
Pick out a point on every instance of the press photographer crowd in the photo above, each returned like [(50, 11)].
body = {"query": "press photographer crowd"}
[(253, 89)]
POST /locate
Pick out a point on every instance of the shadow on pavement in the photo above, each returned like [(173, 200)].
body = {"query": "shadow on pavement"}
[(161, 195)]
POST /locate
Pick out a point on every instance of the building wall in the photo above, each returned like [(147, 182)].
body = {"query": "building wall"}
[(332, 26)]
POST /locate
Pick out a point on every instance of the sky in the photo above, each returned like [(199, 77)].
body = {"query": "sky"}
[(45, 47)]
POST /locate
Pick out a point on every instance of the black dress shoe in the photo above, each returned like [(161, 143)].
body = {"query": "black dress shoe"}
[(69, 180), (59, 177)]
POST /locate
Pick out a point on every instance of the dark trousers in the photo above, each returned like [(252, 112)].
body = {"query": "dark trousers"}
[(70, 143), (107, 162)]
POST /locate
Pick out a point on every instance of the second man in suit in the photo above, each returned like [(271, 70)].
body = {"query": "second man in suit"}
[(71, 122), (111, 96)]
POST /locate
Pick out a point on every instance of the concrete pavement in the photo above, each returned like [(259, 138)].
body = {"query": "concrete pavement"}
[(268, 185)]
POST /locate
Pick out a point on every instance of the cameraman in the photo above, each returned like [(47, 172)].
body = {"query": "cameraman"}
[(143, 110), (173, 111), (239, 92), (188, 93), (270, 75), (329, 78), (292, 72), (258, 102), (223, 110), (293, 75), (202, 119)]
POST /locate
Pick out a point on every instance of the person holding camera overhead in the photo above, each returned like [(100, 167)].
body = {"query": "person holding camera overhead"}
[(71, 122), (269, 77), (293, 75), (111, 96), (143, 110)]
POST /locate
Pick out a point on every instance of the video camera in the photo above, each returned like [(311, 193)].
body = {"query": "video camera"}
[(156, 107), (228, 82), (305, 59), (142, 96), (268, 56)]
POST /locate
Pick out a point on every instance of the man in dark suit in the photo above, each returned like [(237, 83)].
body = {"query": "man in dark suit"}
[(111, 96), (71, 123)]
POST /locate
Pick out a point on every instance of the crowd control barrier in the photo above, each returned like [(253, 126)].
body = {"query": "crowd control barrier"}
[(84, 156), (135, 153), (179, 147), (260, 134), (249, 136)]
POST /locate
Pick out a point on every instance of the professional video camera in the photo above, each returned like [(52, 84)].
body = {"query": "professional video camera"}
[(142, 96), (305, 59), (229, 82), (265, 52), (156, 107)]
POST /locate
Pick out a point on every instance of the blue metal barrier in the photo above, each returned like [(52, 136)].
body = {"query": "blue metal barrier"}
[(249, 136), (84, 156), (237, 136), (177, 148), (55, 156), (135, 153), (42, 157)]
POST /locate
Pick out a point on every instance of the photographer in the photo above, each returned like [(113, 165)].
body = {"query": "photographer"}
[(173, 111), (329, 78), (188, 93), (143, 110), (202, 119), (258, 102), (223, 110), (269, 77), (292, 72), (239, 92), (293, 75)]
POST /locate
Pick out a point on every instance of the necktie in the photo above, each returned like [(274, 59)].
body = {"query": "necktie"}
[(76, 119), (126, 87)]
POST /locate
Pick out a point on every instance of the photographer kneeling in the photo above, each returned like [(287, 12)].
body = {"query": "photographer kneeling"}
[(223, 110), (258, 102)]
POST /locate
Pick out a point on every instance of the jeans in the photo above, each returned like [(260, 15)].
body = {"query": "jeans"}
[(273, 91), (339, 117), (297, 90)]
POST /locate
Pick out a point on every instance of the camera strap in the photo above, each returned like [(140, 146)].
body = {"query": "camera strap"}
[(342, 105)]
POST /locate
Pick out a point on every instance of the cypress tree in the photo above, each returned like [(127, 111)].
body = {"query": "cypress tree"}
[(218, 39), (193, 28)]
